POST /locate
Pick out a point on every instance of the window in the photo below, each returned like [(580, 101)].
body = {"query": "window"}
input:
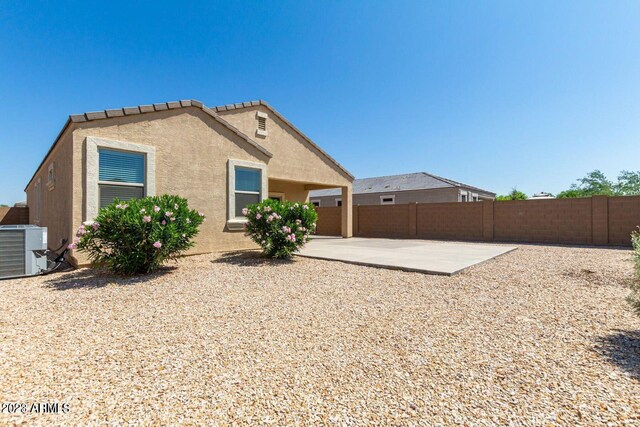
[(247, 185), (276, 196), (51, 176), (117, 169), (474, 197), (121, 175), (388, 200), (262, 124), (463, 197), (316, 203), (247, 189), (338, 202)]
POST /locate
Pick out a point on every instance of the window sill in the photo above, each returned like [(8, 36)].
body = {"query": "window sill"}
[(261, 132), (236, 224)]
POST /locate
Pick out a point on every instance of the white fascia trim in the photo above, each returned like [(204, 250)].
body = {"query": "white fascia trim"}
[(92, 193), (236, 223)]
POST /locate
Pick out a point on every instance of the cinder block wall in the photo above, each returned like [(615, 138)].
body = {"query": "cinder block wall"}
[(14, 215), (598, 220), (331, 222)]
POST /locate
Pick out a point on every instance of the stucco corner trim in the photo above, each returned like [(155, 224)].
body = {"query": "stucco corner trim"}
[(236, 223), (92, 194)]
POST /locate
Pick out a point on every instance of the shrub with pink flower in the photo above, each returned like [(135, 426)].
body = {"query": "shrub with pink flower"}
[(285, 229), (135, 237)]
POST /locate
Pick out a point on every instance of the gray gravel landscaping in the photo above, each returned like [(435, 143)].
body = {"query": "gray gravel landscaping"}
[(539, 336)]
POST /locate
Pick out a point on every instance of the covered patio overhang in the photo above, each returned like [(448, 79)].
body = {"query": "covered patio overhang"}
[(298, 191)]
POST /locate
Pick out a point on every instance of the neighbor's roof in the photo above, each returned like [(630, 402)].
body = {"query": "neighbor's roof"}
[(213, 112), (405, 182)]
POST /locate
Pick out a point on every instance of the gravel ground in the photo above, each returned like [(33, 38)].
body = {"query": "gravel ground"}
[(540, 336)]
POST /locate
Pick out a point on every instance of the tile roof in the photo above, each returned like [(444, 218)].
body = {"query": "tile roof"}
[(404, 182), (229, 107), (213, 112)]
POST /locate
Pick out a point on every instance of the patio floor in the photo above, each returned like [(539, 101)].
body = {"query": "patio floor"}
[(425, 256)]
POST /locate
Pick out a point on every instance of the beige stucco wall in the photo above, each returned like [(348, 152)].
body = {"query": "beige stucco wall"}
[(293, 157), (56, 203), (191, 154), (293, 191)]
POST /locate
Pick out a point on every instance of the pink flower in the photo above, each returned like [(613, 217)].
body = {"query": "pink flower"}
[(156, 208), (201, 214), (173, 218), (143, 210), (168, 213), (76, 240), (298, 221), (164, 222), (146, 218), (72, 246), (157, 245), (95, 225), (258, 216), (293, 237), (245, 211), (305, 207)]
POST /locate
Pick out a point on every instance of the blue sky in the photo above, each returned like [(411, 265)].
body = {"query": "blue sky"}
[(495, 94)]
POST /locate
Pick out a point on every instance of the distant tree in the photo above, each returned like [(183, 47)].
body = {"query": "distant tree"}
[(2, 205), (571, 194), (514, 195), (628, 183), (596, 184)]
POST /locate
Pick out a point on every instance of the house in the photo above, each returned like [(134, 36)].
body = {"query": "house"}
[(542, 196), (420, 187), (220, 159)]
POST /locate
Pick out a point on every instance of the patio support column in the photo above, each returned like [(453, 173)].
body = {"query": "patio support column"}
[(347, 211)]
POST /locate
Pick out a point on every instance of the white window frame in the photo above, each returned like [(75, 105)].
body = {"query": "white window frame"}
[(277, 194), (237, 223), (338, 200), (263, 116), (92, 159), (474, 197), (312, 201), (391, 196), (464, 194)]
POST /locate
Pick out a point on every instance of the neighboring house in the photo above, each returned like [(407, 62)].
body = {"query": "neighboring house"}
[(220, 159), (419, 187), (542, 196)]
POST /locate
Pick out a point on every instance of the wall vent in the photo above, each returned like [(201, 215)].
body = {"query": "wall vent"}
[(262, 124)]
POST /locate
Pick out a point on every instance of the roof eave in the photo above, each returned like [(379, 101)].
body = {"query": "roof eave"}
[(241, 105), (143, 109)]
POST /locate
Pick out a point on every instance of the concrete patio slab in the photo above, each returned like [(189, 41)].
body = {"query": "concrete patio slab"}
[(425, 256)]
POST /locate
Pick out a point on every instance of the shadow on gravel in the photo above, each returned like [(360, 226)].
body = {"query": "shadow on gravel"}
[(89, 278), (622, 349), (249, 259)]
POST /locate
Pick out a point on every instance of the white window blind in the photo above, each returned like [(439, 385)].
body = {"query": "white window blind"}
[(121, 176)]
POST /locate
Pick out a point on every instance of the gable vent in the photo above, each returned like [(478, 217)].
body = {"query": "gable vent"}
[(262, 124)]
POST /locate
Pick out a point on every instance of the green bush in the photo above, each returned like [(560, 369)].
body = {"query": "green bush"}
[(280, 228), (137, 236), (634, 298)]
